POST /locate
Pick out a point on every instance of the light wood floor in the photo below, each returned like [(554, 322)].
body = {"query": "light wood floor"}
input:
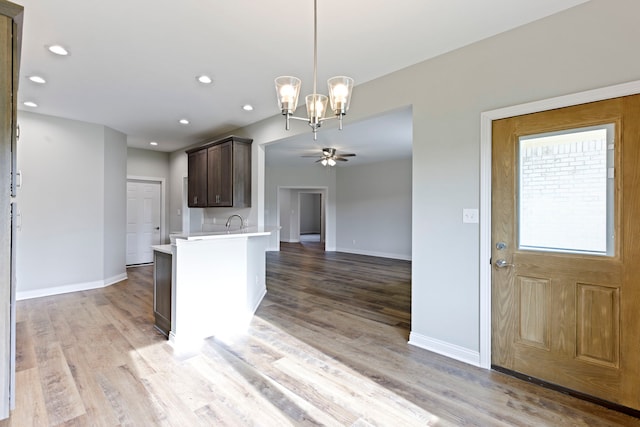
[(328, 346)]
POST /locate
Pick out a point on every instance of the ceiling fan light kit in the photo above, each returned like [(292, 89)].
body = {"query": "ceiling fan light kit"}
[(340, 89), (330, 157)]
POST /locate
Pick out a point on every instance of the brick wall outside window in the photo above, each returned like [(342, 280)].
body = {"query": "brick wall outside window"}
[(563, 194)]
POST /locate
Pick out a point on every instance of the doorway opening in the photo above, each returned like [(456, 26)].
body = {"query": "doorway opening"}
[(302, 216), (310, 218)]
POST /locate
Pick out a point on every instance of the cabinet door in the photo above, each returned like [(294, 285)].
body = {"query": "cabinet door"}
[(197, 179), (242, 175), (162, 291), (220, 179)]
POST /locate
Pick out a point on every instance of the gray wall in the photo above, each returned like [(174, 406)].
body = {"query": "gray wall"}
[(177, 173), (586, 47), (310, 213), (147, 163), (373, 209), (284, 206), (115, 210), (72, 204)]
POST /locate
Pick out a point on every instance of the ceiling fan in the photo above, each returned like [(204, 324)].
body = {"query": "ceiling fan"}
[(329, 157)]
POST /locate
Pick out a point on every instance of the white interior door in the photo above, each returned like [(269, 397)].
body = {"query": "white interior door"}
[(143, 220)]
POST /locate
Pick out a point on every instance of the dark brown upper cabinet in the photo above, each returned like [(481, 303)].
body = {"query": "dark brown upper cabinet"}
[(197, 179), (219, 174)]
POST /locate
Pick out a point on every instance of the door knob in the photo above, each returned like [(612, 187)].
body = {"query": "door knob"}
[(501, 263), (157, 228)]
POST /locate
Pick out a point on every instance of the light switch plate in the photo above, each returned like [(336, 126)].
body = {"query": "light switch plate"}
[(470, 216)]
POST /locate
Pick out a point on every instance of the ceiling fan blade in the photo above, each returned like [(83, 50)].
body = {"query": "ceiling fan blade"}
[(319, 160), (347, 155), (315, 155), (341, 159)]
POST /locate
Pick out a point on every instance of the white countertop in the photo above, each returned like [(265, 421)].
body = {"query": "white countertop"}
[(227, 234), (162, 248)]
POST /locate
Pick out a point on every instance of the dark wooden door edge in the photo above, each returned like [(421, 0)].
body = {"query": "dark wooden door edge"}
[(605, 403)]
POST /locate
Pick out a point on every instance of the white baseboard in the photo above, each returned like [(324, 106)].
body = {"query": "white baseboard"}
[(65, 289), (258, 301), (445, 349), (115, 279), (375, 253)]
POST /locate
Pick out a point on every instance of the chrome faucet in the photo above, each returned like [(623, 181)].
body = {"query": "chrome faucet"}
[(228, 224)]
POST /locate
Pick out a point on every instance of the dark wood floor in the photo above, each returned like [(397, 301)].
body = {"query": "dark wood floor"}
[(328, 346)]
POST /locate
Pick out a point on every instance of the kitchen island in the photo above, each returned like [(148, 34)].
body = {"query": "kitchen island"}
[(218, 282)]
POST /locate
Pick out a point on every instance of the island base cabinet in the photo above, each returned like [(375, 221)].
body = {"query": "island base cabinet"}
[(218, 286), (162, 291)]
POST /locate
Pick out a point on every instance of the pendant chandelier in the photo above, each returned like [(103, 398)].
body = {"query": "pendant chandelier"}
[(340, 88)]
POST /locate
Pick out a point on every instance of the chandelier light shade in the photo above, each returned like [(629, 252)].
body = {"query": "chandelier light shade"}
[(340, 88), (288, 90), (316, 108)]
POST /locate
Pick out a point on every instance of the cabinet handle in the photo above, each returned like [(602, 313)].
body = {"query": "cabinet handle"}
[(195, 200)]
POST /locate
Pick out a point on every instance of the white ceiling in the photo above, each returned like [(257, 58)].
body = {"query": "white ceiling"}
[(133, 64)]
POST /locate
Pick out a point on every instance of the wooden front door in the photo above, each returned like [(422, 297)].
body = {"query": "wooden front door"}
[(566, 248)]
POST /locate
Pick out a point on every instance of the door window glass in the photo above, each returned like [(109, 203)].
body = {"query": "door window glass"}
[(565, 197)]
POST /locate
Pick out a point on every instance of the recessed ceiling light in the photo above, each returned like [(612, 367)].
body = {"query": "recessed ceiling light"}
[(184, 121), (58, 50), (247, 107), (30, 104), (37, 79), (153, 143), (204, 79)]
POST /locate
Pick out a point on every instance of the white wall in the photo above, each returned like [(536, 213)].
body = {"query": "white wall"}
[(72, 204), (373, 209)]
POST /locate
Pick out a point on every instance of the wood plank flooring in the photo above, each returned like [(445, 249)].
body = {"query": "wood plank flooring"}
[(328, 346)]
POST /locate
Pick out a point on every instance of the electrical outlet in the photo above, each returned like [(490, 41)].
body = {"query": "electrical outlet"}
[(470, 216)]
